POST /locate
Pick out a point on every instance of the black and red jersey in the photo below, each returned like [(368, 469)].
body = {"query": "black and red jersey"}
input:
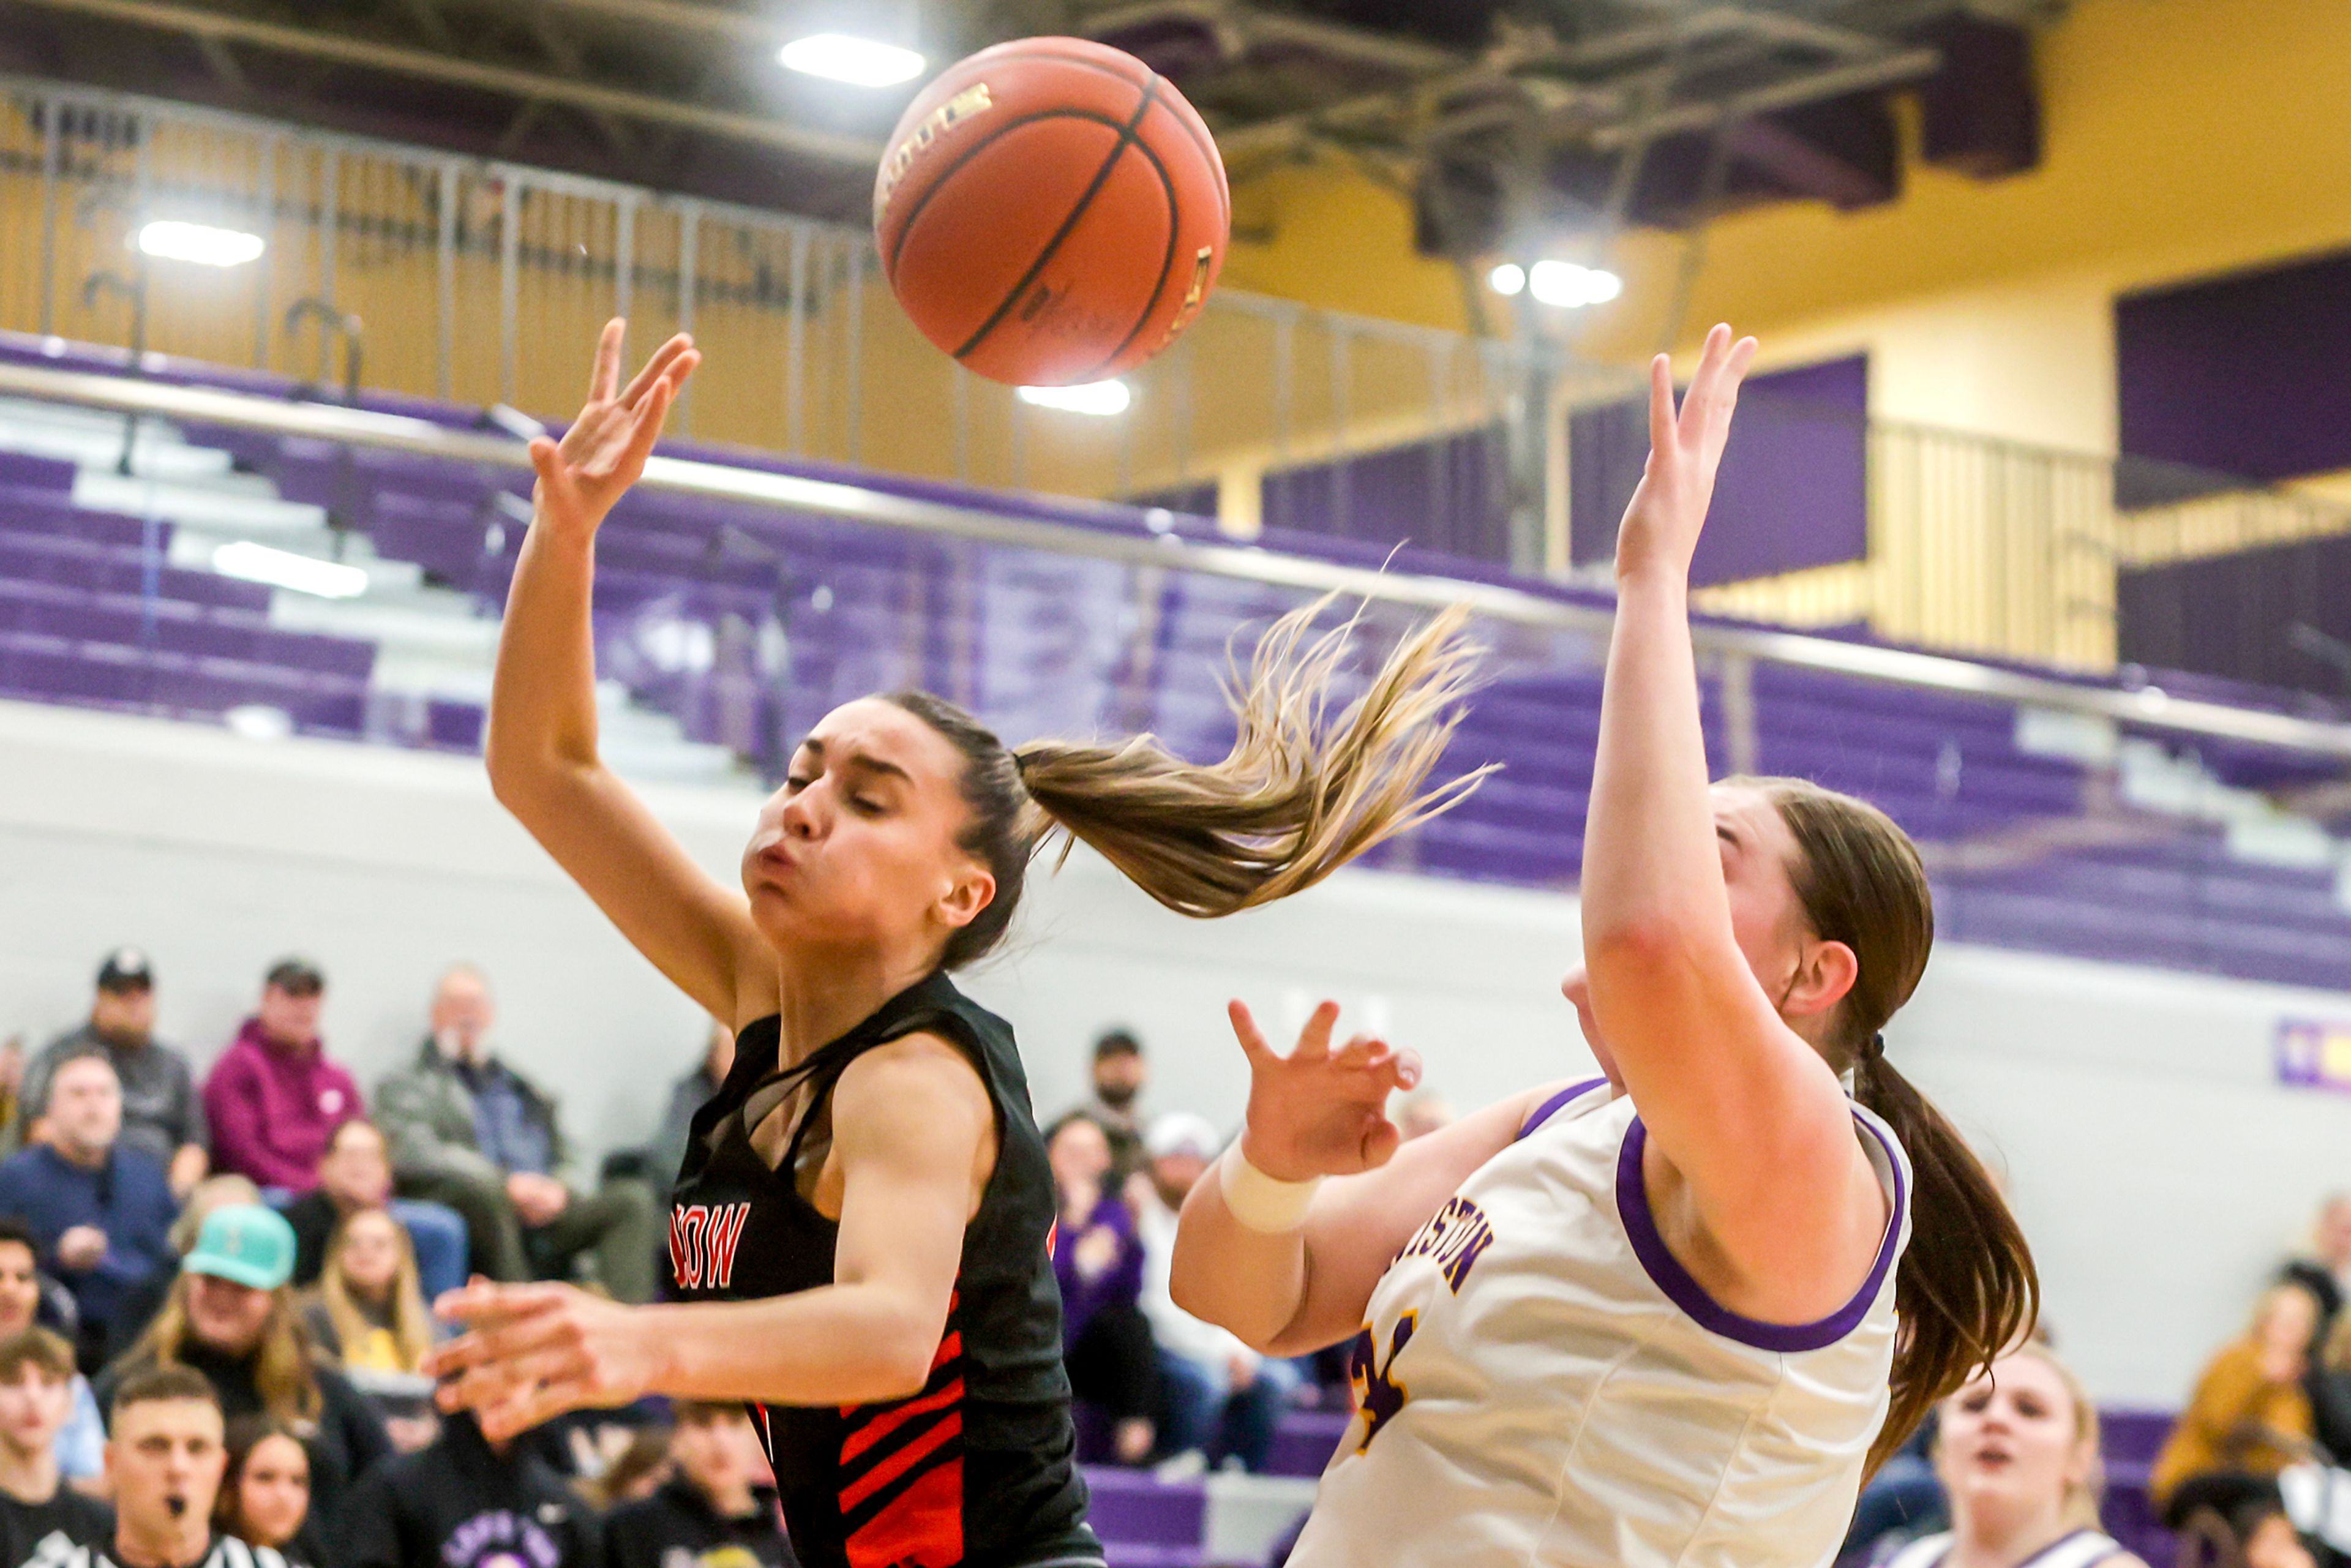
[(978, 1470)]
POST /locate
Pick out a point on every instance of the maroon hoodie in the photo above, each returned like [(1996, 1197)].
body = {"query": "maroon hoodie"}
[(272, 1108)]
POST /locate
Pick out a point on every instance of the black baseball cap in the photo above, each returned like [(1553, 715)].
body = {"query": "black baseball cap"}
[(295, 977), (1117, 1043), (126, 970)]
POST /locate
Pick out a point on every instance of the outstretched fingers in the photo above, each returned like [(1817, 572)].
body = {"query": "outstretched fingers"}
[(607, 373), (651, 414), (659, 367), (1661, 403), (1245, 1029)]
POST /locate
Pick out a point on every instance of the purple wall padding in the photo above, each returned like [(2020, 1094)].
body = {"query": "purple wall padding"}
[(2234, 615), (1450, 494), (1794, 487), (2243, 375)]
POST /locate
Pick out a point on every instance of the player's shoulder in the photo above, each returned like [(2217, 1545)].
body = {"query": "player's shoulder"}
[(922, 1071)]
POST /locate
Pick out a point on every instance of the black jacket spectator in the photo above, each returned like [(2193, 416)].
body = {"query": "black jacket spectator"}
[(462, 1503), (677, 1527)]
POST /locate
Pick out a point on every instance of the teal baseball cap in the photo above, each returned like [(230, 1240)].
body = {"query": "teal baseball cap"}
[(245, 1244)]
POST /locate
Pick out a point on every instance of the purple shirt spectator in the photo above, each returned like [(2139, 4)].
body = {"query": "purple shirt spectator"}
[(1099, 1263), (274, 1098)]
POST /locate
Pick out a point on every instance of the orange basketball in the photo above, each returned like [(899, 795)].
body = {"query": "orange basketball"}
[(1050, 212)]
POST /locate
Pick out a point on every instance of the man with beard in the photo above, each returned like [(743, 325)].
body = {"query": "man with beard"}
[(1121, 1074)]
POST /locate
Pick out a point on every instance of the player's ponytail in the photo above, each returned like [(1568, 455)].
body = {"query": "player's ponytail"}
[(1302, 791), (1967, 1289)]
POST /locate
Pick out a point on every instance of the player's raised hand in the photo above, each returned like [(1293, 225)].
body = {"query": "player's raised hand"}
[(604, 451), (1662, 522), (1319, 1111)]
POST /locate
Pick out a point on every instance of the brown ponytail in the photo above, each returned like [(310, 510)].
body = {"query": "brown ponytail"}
[(1301, 793), (1967, 1289)]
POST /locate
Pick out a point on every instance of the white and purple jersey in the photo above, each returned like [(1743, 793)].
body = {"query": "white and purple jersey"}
[(1542, 1385), (2081, 1548)]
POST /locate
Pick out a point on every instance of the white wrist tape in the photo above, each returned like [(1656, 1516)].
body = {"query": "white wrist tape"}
[(1260, 1202)]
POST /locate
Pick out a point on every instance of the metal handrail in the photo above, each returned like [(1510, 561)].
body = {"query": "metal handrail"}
[(2148, 708)]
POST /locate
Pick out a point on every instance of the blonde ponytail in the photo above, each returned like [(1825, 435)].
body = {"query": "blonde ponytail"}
[(1301, 793)]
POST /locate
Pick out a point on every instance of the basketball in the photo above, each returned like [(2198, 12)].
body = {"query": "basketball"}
[(1050, 212)]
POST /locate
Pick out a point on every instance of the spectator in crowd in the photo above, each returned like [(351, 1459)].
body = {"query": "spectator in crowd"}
[(165, 1460), (2329, 1386), (161, 1114), (713, 1511), (232, 1317), (2249, 1418), (466, 1502), (275, 1096), (369, 1313), (469, 1131), (2326, 1272), (639, 1468), (81, 1439), (40, 1515), (212, 1193), (1121, 1073), (102, 1211), (354, 1175), (1422, 1112), (666, 1152), (1099, 1263), (1218, 1397), (265, 1493), (2017, 1453), (12, 1081)]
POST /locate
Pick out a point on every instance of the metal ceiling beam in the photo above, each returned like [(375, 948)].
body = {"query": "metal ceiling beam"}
[(1251, 25), (1910, 64), (735, 25), (829, 146)]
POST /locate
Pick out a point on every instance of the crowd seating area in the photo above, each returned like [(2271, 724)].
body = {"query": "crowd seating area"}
[(723, 629)]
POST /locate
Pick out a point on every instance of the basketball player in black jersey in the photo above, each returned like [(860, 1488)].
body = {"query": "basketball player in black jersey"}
[(863, 1224)]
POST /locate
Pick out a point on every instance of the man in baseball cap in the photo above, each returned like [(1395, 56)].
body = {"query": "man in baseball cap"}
[(163, 1116)]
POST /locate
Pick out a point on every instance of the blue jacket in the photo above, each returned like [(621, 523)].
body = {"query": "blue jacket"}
[(130, 1198)]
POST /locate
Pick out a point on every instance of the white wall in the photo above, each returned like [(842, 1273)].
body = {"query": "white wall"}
[(2157, 1166)]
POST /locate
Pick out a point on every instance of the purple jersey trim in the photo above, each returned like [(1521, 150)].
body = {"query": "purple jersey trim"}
[(1668, 1274), (1558, 1103)]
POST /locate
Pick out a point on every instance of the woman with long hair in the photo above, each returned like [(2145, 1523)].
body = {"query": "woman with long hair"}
[(370, 1312), (232, 1316), (1650, 1317), (863, 1217), (264, 1493), (2017, 1452), (2249, 1417)]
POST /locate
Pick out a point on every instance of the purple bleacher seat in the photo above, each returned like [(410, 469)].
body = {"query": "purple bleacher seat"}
[(22, 468), (79, 563), (1304, 1441), (1135, 1506), (1038, 644)]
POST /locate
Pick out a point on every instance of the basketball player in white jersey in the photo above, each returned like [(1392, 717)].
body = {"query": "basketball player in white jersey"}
[(2017, 1453), (1649, 1319)]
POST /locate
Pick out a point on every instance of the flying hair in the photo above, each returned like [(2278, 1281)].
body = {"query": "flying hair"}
[(1303, 790)]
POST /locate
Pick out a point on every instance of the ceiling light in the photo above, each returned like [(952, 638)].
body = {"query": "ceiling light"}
[(1100, 399), (861, 62), (1510, 279), (170, 240), (1567, 285), (283, 569)]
